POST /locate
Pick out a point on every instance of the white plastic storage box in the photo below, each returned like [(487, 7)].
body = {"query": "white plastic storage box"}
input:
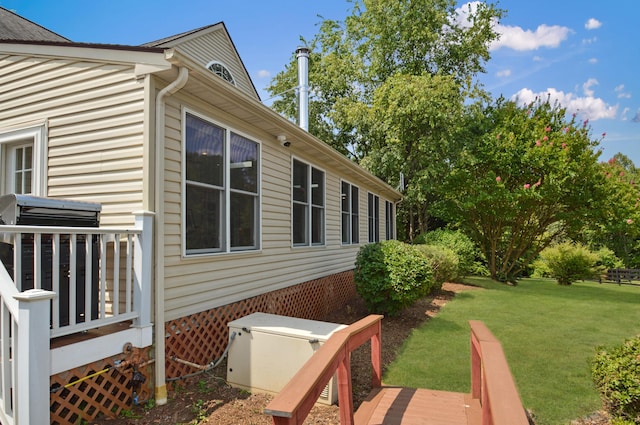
[(269, 349)]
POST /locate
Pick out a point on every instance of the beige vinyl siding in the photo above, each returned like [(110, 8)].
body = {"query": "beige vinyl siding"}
[(95, 122), (194, 284), (216, 46)]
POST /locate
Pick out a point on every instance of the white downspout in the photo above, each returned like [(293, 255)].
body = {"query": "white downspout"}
[(160, 378)]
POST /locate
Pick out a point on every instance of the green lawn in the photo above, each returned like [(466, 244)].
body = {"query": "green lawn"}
[(548, 332)]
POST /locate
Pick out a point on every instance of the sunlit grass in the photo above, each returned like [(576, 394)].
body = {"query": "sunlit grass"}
[(548, 332)]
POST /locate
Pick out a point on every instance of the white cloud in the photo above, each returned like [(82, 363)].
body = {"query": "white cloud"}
[(625, 111), (589, 40), (514, 37), (461, 17), (504, 73), (592, 24), (519, 39), (586, 87), (621, 93), (263, 73), (593, 61), (538, 58), (637, 117), (588, 107)]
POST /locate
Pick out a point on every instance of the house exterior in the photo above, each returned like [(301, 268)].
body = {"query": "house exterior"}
[(232, 208)]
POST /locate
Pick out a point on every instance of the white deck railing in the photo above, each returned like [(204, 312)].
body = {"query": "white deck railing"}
[(71, 280)]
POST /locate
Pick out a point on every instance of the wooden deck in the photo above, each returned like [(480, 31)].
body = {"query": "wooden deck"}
[(493, 400)]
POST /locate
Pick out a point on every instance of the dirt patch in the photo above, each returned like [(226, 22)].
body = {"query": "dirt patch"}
[(209, 400)]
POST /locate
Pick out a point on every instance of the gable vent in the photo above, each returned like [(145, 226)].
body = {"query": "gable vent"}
[(221, 71)]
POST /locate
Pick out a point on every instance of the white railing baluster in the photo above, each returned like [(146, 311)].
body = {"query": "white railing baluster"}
[(88, 278), (5, 354), (55, 280), (37, 261), (116, 275), (72, 279), (103, 276), (129, 267), (17, 259)]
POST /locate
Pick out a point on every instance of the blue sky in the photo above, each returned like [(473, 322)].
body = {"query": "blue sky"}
[(583, 52)]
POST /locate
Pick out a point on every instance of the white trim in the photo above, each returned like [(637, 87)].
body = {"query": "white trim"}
[(102, 53), (38, 135), (71, 356), (225, 248)]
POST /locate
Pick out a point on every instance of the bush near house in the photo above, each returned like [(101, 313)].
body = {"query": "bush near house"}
[(391, 275), (616, 373), (457, 242), (444, 263)]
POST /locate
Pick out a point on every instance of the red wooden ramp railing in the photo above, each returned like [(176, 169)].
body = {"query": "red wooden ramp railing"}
[(493, 389)]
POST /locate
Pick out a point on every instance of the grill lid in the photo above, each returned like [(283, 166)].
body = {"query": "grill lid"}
[(18, 209)]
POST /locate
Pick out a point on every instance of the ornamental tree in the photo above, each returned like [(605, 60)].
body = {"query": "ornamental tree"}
[(525, 176), (619, 226)]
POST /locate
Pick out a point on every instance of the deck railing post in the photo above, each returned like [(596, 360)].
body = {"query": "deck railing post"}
[(376, 356), (143, 267), (32, 357), (476, 368), (345, 396)]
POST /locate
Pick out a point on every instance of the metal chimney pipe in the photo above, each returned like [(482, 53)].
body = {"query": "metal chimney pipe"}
[(302, 53)]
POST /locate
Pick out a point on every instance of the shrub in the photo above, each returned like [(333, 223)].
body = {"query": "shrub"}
[(568, 262), (391, 275), (616, 373), (608, 259), (444, 263), (457, 242)]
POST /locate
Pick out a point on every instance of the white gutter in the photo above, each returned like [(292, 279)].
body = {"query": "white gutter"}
[(179, 83)]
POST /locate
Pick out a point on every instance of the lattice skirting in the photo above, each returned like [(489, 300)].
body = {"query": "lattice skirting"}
[(201, 338), (103, 387), (107, 386)]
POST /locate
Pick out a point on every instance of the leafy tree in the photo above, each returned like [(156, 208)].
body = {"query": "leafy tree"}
[(381, 38), (410, 126), (525, 176)]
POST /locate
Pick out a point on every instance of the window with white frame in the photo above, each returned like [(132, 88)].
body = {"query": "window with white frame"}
[(373, 215), (389, 220), (308, 200), (350, 219), (23, 162), (221, 182)]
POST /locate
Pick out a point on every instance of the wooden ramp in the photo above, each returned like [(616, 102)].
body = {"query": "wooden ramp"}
[(410, 406), (493, 400)]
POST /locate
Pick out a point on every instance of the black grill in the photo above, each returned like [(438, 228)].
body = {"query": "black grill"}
[(25, 210)]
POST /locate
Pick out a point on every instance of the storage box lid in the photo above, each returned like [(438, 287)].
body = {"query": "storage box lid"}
[(286, 326)]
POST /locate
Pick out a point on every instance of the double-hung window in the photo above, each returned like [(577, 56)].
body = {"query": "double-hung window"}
[(222, 194), (22, 161), (308, 202), (389, 220), (350, 219), (373, 213)]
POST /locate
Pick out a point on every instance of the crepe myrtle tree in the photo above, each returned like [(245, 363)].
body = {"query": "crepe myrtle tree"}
[(525, 176), (619, 228)]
